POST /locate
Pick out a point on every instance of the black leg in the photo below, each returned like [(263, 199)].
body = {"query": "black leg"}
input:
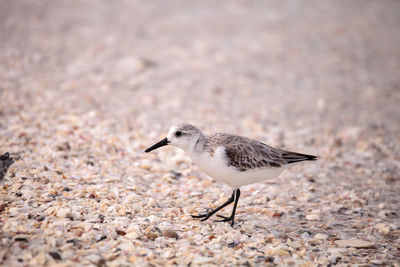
[(232, 217), (211, 213)]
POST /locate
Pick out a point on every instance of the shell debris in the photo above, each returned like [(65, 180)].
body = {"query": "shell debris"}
[(82, 94)]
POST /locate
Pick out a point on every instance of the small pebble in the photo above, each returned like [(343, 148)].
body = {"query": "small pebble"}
[(55, 255), (312, 217), (306, 236), (355, 243), (120, 232), (170, 234), (3, 206)]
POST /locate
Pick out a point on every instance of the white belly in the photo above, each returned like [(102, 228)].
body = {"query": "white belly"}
[(216, 167)]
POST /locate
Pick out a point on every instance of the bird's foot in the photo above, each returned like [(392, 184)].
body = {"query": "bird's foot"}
[(203, 217), (226, 219)]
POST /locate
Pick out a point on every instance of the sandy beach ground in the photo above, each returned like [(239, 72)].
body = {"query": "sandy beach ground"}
[(86, 86)]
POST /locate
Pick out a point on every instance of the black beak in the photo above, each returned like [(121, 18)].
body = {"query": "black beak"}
[(163, 142)]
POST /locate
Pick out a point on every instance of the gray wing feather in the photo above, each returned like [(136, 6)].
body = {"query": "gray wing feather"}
[(245, 153)]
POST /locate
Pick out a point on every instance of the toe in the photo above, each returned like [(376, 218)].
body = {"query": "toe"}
[(199, 216), (225, 219)]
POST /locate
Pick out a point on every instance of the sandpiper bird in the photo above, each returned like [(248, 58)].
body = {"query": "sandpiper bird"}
[(228, 158)]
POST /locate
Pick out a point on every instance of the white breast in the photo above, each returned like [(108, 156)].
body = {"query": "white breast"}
[(216, 167)]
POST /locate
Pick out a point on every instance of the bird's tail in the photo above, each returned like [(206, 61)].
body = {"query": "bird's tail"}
[(292, 157)]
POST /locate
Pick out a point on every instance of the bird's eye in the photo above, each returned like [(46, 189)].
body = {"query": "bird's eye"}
[(178, 133)]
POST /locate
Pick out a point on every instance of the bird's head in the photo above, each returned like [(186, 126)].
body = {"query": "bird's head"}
[(182, 135)]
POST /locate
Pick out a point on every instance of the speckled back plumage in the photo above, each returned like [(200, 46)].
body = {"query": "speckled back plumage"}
[(246, 154)]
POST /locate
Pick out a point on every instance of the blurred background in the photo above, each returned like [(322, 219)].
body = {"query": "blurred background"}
[(86, 86), (218, 64)]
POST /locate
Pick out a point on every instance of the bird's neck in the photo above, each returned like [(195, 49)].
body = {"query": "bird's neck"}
[(199, 143)]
